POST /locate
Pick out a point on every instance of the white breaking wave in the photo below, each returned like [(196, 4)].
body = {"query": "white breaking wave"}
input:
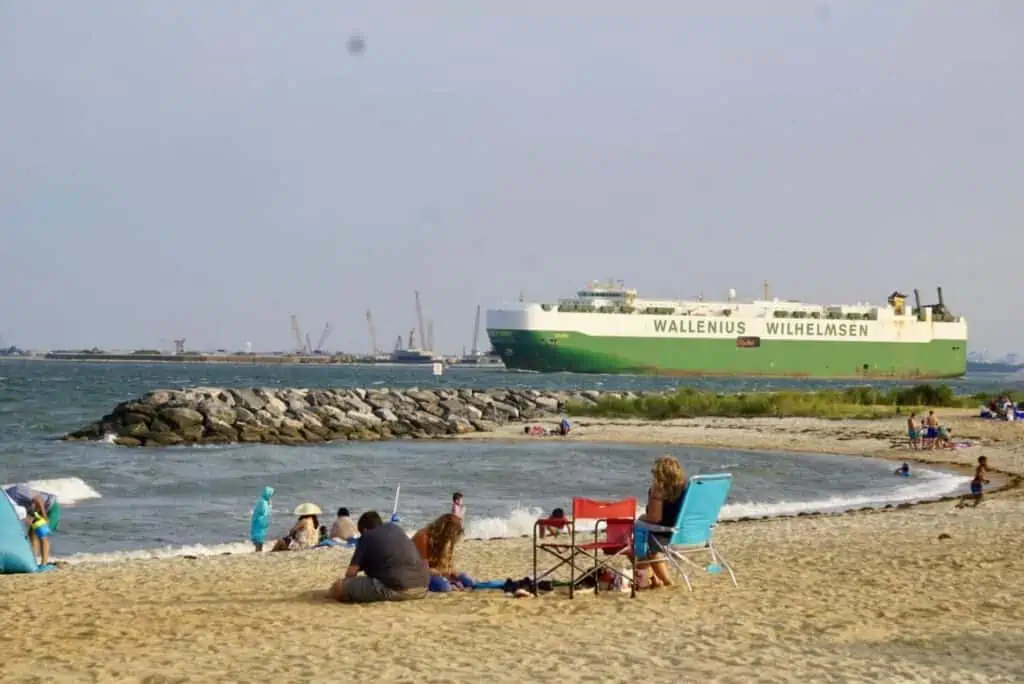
[(922, 486), (68, 490), (164, 552), (931, 485)]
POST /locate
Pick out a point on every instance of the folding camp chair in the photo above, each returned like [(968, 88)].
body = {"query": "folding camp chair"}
[(618, 519), (692, 532)]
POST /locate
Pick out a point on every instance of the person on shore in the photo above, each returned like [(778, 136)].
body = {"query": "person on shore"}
[(664, 501), (260, 521), (42, 517), (943, 438), (913, 432), (977, 484), (564, 427), (436, 545), (391, 566), (458, 507), (305, 533), (931, 429), (344, 529)]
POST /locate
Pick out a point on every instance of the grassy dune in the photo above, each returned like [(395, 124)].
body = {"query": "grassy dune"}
[(851, 402)]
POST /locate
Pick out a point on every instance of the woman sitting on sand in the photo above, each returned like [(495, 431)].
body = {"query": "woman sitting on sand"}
[(305, 534), (664, 500), (436, 544)]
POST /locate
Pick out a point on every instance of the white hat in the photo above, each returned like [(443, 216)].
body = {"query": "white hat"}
[(307, 509)]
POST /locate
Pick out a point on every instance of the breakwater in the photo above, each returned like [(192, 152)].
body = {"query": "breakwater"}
[(211, 415)]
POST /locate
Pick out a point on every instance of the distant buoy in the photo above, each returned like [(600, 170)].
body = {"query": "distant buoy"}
[(356, 44)]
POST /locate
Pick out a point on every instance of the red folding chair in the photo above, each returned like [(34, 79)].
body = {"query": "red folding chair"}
[(619, 519)]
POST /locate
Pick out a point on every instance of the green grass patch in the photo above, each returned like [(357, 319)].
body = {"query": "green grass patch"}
[(851, 402)]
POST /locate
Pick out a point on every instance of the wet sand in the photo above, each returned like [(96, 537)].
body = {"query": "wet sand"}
[(925, 593)]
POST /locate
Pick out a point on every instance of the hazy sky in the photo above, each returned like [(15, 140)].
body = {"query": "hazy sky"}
[(203, 170)]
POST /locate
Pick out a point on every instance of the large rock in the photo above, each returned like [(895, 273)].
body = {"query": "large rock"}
[(547, 403), (458, 425), (248, 399), (181, 417)]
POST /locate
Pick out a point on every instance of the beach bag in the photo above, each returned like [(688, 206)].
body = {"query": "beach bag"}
[(623, 582)]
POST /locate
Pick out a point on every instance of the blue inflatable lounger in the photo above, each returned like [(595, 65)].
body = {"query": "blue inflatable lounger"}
[(15, 551)]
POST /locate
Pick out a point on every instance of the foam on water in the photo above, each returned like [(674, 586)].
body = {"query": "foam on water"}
[(519, 522), (68, 490), (930, 484), (924, 485), (230, 548)]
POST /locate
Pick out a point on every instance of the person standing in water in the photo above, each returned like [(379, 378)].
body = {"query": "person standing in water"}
[(261, 519), (43, 514)]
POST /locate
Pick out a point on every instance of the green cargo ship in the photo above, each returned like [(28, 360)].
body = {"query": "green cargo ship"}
[(606, 328)]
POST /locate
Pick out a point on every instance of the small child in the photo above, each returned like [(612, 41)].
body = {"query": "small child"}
[(556, 523), (976, 484), (458, 508), (903, 470), (260, 522), (343, 528)]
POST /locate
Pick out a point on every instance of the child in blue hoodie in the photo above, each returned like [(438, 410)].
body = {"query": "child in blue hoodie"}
[(261, 519)]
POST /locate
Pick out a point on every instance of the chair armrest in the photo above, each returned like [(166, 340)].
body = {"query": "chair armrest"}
[(651, 527)]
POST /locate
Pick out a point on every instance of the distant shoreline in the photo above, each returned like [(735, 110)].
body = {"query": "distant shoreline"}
[(231, 359)]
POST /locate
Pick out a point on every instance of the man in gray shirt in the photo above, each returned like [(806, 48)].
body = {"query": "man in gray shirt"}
[(392, 568)]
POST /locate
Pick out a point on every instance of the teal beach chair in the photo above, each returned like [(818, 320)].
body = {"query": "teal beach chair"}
[(692, 533)]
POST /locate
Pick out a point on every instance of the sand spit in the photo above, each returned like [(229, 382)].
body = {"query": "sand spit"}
[(926, 593)]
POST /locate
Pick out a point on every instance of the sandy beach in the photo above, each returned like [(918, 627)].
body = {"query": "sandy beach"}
[(922, 593)]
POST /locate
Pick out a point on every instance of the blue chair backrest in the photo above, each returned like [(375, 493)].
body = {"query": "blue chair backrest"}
[(705, 496)]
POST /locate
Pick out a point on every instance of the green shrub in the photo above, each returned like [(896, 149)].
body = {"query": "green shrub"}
[(851, 402)]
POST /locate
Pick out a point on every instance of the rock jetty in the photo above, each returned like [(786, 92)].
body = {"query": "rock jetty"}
[(211, 415)]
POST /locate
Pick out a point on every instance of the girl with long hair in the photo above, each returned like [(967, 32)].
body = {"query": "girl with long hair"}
[(436, 544)]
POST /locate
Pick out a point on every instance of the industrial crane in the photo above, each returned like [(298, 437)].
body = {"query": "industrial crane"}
[(300, 345), (419, 318), (373, 333), (323, 338)]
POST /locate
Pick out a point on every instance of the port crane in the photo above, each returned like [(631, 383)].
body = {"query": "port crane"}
[(374, 350), (323, 339), (476, 333), (419, 318), (300, 346)]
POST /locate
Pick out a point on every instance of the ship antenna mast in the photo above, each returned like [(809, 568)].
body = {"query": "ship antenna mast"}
[(767, 291)]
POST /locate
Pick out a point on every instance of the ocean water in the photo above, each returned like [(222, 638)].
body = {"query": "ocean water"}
[(143, 503)]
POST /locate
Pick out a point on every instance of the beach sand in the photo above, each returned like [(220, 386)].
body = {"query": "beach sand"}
[(923, 593)]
